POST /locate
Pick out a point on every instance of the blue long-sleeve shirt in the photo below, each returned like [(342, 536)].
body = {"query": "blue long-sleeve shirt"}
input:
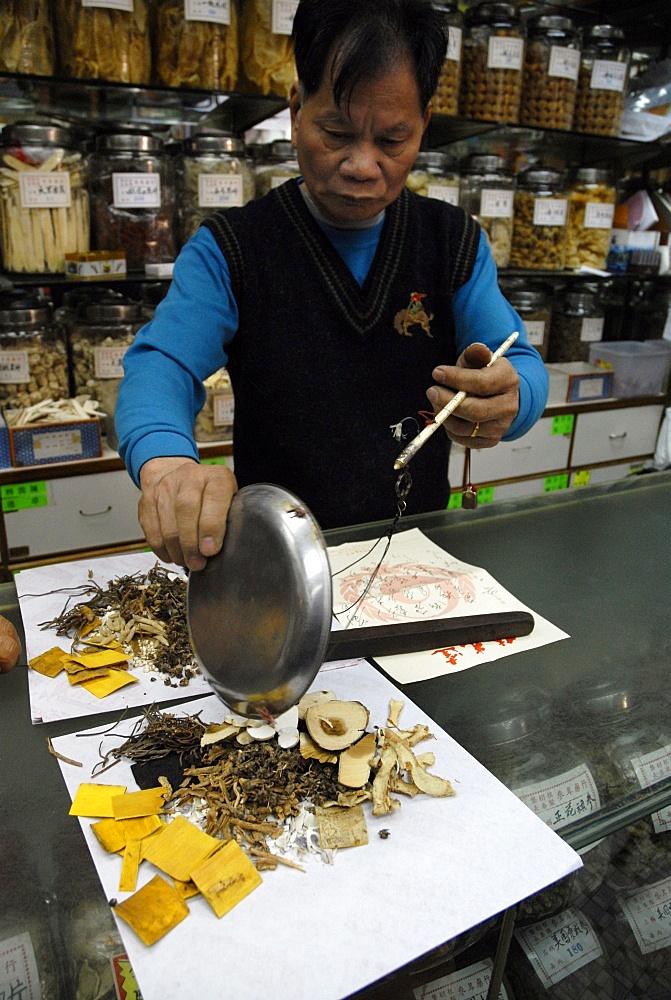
[(186, 342)]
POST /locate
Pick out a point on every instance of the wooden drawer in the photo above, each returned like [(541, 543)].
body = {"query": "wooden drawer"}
[(540, 450), (82, 512), (610, 435)]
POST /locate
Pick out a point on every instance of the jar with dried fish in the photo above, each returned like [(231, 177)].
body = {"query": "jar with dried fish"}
[(26, 37), (196, 44), (591, 207), (132, 197), (266, 56), (33, 357), (486, 191), (215, 420), (44, 201), (213, 172), (105, 41)]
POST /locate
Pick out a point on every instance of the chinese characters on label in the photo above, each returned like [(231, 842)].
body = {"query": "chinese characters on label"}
[(560, 945), (649, 914)]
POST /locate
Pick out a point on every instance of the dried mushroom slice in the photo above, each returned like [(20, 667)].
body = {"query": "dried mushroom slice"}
[(335, 725), (354, 762), (314, 698)]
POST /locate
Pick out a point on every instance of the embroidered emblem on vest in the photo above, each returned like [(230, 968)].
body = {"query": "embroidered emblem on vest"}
[(414, 315)]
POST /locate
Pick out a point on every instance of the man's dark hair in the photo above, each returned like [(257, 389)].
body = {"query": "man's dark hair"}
[(365, 39)]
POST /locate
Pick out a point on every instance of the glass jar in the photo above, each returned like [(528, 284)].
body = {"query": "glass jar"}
[(591, 206), (27, 37), (434, 175), (215, 420), (445, 100), (602, 82), (33, 357), (132, 198), (486, 191), (534, 306), (213, 172), (275, 165), (196, 44), (492, 62), (577, 322), (540, 214), (44, 198), (266, 55), (551, 65), (104, 42)]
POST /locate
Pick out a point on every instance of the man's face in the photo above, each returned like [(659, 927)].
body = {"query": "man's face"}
[(355, 159)]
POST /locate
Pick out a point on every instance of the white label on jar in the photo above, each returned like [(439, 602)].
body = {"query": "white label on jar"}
[(57, 444), (443, 192), (126, 5), (649, 916), (215, 11), (564, 798), (598, 215), (14, 369), (495, 203), (18, 969), (535, 331), (283, 16), (591, 329), (550, 211), (564, 63), (607, 74), (48, 189), (136, 190), (219, 191), (560, 945), (471, 983), (505, 53), (652, 767), (107, 361), (453, 43), (223, 405)]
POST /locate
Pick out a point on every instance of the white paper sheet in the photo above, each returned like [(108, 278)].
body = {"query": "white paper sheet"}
[(447, 865), (54, 698), (419, 580)]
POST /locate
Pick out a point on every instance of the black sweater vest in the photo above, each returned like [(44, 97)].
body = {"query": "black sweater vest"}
[(322, 369)]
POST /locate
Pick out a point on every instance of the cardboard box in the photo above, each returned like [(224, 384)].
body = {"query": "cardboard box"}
[(577, 381), (639, 367), (96, 265), (66, 441)]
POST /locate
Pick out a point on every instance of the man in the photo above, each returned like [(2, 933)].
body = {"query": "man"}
[(335, 302)]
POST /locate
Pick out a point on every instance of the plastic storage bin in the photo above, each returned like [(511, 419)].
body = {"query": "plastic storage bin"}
[(641, 367)]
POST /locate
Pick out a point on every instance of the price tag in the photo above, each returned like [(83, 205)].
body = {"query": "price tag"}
[(485, 494), (214, 11), (283, 16), (552, 483), (607, 74), (564, 63), (496, 203), (550, 211), (107, 361), (567, 796), (471, 983), (649, 916), (598, 215), (126, 5), (50, 189), (136, 190), (218, 460), (442, 192), (505, 53), (560, 945), (563, 424), (454, 43), (223, 406), (18, 969), (14, 367), (22, 496), (591, 329), (57, 444), (220, 191), (582, 478), (652, 767), (535, 331)]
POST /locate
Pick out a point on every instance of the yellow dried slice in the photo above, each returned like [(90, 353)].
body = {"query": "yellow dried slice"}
[(153, 910), (110, 835), (218, 733), (179, 847), (101, 658), (146, 802), (130, 865), (310, 751), (186, 889), (83, 676), (95, 800), (140, 827), (341, 827), (226, 877), (102, 686), (353, 763), (49, 663)]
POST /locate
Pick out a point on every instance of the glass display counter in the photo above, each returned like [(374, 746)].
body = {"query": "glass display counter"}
[(597, 563)]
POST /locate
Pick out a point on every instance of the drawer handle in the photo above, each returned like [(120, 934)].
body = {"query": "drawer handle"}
[(526, 447), (96, 513), (618, 437)]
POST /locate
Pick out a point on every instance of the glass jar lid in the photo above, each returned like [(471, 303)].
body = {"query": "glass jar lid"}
[(514, 716), (110, 312), (484, 163), (26, 316), (552, 26), (432, 159), (135, 142), (540, 179), (214, 142), (282, 149), (503, 15), (580, 303), (527, 298), (35, 134), (592, 175)]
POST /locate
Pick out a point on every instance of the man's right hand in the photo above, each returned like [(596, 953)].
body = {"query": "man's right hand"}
[(183, 509)]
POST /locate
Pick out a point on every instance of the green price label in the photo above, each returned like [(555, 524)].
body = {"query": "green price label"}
[(485, 494), (563, 424), (581, 478), (454, 501), (21, 496), (556, 482), (219, 460)]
